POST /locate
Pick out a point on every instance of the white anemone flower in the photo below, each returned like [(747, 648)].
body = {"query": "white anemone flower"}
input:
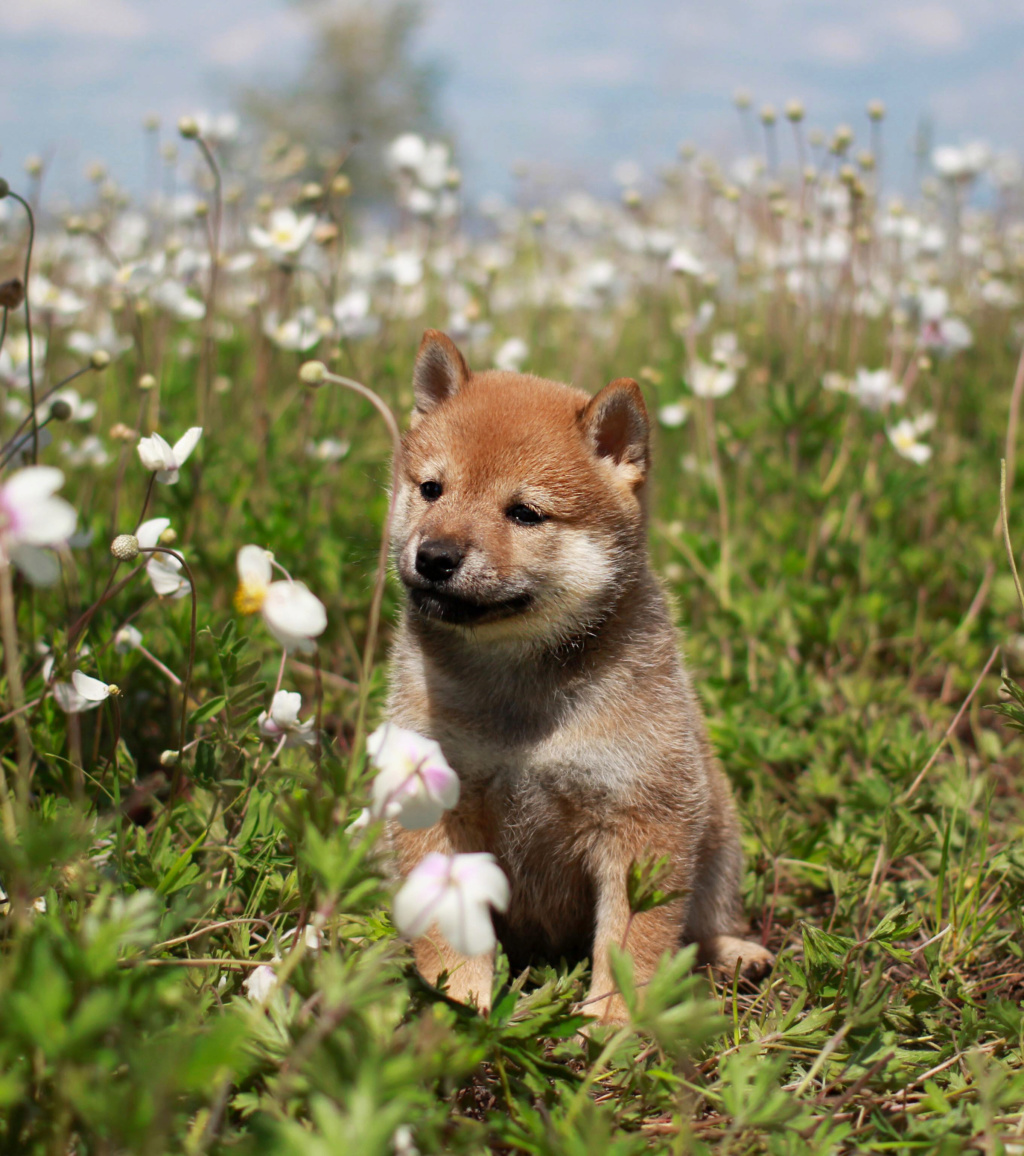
[(61, 304), (876, 389), (32, 518), (456, 893), (511, 354), (415, 784), (282, 721), (683, 260), (82, 693), (291, 611), (261, 983), (711, 380), (128, 638), (299, 332), (407, 152), (904, 438), (156, 454), (327, 449), (176, 299), (673, 415), (286, 236), (81, 410), (163, 570)]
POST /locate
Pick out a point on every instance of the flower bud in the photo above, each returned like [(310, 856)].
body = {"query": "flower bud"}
[(311, 191), (742, 99), (168, 758), (5, 189), (313, 372), (768, 114), (794, 110), (876, 110), (60, 410), (202, 209), (168, 537), (325, 233), (147, 381), (188, 127), (341, 186), (125, 547), (34, 165), (12, 293), (99, 359)]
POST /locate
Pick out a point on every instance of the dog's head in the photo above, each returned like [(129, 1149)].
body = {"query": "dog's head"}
[(519, 512)]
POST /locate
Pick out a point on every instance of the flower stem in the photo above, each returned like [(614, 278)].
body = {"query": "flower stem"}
[(9, 630), (28, 321), (377, 597)]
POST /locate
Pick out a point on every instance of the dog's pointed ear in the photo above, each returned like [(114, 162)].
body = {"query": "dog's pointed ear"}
[(440, 372), (616, 424)]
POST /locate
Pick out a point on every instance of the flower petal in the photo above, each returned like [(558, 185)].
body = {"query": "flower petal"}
[(91, 689), (148, 534), (186, 444), (40, 567), (254, 568), (293, 614)]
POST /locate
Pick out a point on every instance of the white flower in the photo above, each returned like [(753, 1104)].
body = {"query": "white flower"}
[(31, 518), (14, 359), (904, 435), (127, 638), (511, 354), (92, 689), (261, 983), (291, 612), (405, 268), (710, 380), (164, 570), (299, 332), (407, 152), (283, 721), (91, 452), (455, 893), (286, 236), (173, 296), (167, 460), (61, 304), (80, 410), (673, 415), (725, 351), (328, 449), (876, 389), (837, 383), (415, 784), (961, 164), (682, 260), (352, 313)]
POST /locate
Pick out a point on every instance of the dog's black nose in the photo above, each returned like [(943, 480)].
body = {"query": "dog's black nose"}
[(437, 560)]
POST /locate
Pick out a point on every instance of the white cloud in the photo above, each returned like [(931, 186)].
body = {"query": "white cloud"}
[(114, 18), (247, 42), (931, 27), (838, 44)]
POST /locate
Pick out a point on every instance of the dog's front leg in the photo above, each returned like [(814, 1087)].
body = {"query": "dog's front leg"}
[(647, 936), (469, 976)]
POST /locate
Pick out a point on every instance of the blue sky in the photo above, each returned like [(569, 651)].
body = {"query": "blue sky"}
[(570, 86)]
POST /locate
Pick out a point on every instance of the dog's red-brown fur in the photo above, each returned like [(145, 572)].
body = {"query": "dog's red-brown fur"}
[(546, 665)]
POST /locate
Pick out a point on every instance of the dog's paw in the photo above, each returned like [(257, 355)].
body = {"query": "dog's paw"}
[(724, 952)]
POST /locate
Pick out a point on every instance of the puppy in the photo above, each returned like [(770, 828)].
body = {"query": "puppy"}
[(536, 647)]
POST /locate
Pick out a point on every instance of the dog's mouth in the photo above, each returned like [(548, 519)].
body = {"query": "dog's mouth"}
[(464, 611)]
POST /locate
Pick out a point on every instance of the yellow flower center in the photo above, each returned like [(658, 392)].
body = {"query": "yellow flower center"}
[(249, 597)]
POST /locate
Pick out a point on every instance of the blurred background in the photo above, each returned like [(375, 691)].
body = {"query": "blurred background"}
[(564, 92)]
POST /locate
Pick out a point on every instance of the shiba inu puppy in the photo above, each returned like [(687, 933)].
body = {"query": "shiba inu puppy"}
[(536, 647)]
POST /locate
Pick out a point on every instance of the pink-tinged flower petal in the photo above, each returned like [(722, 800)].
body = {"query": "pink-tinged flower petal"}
[(253, 564), (164, 573), (455, 893), (148, 534), (91, 689), (69, 700), (31, 485)]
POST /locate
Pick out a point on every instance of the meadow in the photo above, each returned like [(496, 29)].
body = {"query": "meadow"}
[(197, 952)]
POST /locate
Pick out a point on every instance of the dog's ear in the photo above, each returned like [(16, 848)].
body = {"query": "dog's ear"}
[(440, 372), (616, 424)]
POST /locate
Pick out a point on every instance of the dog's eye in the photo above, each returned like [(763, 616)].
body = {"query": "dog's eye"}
[(525, 515), (431, 491)]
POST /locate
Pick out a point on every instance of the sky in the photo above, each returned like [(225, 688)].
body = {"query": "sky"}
[(570, 87)]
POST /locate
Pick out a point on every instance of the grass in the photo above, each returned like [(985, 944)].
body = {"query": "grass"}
[(841, 608)]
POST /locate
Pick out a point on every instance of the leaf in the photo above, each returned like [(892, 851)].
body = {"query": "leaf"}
[(207, 711)]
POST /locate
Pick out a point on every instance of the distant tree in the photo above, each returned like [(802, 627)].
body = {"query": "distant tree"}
[(358, 90)]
